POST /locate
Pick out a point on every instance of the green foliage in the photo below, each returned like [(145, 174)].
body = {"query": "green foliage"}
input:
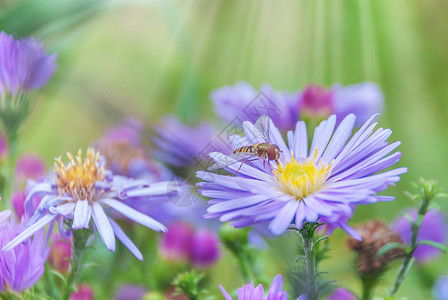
[(188, 284)]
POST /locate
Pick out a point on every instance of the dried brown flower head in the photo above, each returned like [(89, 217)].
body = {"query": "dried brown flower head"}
[(375, 235)]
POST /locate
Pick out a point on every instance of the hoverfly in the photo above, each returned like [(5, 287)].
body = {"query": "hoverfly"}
[(262, 150)]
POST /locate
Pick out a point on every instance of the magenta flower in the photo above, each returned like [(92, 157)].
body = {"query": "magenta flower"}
[(60, 253), (84, 292), (175, 245), (24, 65), (204, 249), (250, 292), (434, 228), (21, 267), (28, 166), (182, 243), (341, 294), (325, 183), (83, 190)]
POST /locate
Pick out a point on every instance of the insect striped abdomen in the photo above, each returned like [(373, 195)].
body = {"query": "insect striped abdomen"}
[(245, 149)]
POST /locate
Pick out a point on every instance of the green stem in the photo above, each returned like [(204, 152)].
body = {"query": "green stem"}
[(245, 269), (407, 263), (307, 236), (50, 283), (369, 282), (9, 179), (402, 273), (80, 237)]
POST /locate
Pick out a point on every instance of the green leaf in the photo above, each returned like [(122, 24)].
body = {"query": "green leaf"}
[(58, 275), (439, 246), (386, 248), (320, 239)]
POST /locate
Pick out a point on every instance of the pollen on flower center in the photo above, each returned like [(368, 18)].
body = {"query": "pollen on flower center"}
[(79, 176), (302, 178)]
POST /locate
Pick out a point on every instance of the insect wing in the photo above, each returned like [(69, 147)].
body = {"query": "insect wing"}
[(262, 128), (222, 161)]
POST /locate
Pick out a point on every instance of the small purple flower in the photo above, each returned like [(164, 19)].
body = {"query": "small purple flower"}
[(204, 248), (175, 245), (440, 289), (341, 294), (363, 100), (130, 292), (124, 154), (180, 145), (18, 201), (317, 102), (324, 183), (60, 253), (242, 102), (83, 190), (24, 65), (250, 292), (21, 267), (182, 243), (84, 292), (434, 228), (28, 166)]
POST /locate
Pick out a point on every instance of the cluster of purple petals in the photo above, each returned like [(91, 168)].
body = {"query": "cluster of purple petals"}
[(243, 102), (250, 292), (180, 145), (24, 64), (21, 267), (135, 163), (434, 228), (358, 164)]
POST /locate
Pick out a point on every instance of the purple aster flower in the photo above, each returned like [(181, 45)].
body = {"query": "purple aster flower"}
[(341, 294), (434, 228), (180, 145), (82, 190), (250, 292), (440, 289), (363, 100), (323, 183), (24, 65), (243, 102), (21, 267)]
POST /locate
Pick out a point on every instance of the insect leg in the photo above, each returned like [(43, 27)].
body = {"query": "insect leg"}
[(247, 160)]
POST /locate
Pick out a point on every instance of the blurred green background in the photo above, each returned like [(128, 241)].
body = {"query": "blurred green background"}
[(150, 58)]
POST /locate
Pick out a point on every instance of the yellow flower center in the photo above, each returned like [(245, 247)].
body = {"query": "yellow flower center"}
[(302, 178), (78, 177)]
